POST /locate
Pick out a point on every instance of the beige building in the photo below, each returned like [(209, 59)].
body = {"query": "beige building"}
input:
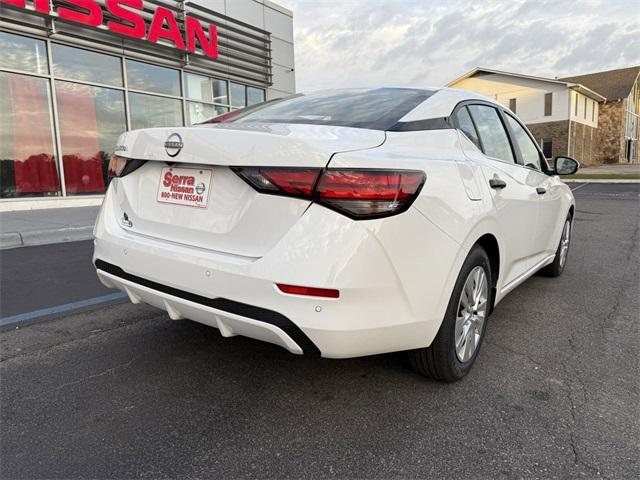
[(569, 116)]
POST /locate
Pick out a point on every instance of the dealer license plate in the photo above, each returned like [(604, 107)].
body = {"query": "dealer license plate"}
[(185, 186)]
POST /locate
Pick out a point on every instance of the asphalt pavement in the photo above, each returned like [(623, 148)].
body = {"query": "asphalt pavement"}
[(121, 391), (37, 279)]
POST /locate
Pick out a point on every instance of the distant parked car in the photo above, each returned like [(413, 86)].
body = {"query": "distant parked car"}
[(343, 223)]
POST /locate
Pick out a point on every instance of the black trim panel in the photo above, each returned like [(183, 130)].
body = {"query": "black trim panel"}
[(131, 166), (255, 313), (440, 123)]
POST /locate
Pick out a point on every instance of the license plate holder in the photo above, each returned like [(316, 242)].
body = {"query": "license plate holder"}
[(185, 186)]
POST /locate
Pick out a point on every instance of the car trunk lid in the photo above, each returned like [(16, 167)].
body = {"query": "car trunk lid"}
[(212, 207)]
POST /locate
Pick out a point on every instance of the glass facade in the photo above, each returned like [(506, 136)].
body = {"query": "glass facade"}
[(90, 121), (153, 78), (238, 95), (199, 112), (62, 109), (27, 147), (23, 53), (254, 95), (77, 64), (149, 111)]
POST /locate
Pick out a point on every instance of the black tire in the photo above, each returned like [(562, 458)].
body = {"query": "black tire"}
[(440, 361), (556, 268)]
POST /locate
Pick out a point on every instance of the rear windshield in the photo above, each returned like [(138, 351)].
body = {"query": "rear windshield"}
[(377, 109)]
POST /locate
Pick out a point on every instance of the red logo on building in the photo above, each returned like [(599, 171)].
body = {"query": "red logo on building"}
[(128, 22)]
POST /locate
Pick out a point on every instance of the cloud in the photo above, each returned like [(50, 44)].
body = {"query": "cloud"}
[(353, 43)]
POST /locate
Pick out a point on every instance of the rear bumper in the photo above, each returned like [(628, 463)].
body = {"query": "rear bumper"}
[(393, 276), (230, 317)]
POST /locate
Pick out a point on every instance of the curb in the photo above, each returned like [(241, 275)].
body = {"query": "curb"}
[(44, 237)]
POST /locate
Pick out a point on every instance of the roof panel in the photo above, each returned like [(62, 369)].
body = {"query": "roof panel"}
[(613, 84)]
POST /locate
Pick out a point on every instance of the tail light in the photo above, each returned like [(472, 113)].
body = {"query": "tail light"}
[(361, 194), (120, 166), (292, 182), (357, 193)]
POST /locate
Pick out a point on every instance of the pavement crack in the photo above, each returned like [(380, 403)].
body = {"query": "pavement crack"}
[(573, 406), (108, 371), (629, 263)]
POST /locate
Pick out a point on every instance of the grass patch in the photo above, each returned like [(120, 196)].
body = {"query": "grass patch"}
[(604, 176)]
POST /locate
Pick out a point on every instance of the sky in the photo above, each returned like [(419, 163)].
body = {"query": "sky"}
[(364, 43)]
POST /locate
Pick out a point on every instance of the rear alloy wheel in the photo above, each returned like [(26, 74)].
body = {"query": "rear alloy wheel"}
[(472, 312), (556, 268), (458, 341)]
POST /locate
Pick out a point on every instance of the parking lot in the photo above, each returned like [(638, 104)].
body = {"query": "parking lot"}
[(119, 390)]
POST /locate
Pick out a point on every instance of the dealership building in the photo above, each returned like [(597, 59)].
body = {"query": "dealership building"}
[(75, 74)]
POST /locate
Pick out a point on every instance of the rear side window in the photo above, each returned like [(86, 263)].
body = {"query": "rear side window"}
[(528, 150), (376, 109), (495, 141), (463, 121)]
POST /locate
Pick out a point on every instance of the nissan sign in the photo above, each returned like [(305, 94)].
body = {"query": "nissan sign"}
[(129, 22)]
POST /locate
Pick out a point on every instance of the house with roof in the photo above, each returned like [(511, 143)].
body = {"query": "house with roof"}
[(569, 116), (619, 126)]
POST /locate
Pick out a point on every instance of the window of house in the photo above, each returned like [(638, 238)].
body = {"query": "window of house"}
[(528, 150), (90, 120), (576, 106), (493, 136), (152, 78), (23, 53), (463, 120), (593, 112), (27, 153), (547, 147), (548, 104), (585, 108), (86, 66), (512, 105)]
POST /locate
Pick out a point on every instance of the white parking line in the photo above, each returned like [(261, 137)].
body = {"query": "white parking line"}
[(579, 186), (61, 308)]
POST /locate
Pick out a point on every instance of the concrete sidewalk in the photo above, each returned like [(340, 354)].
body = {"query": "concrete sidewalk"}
[(631, 169), (39, 227)]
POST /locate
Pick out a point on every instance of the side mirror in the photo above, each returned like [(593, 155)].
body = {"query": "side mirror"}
[(566, 165)]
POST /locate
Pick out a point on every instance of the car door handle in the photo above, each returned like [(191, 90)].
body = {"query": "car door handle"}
[(497, 183), (541, 190)]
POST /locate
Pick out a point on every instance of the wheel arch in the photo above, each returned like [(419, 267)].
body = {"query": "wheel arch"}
[(488, 234), (489, 244)]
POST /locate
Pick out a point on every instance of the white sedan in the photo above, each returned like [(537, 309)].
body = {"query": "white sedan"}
[(341, 224)]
